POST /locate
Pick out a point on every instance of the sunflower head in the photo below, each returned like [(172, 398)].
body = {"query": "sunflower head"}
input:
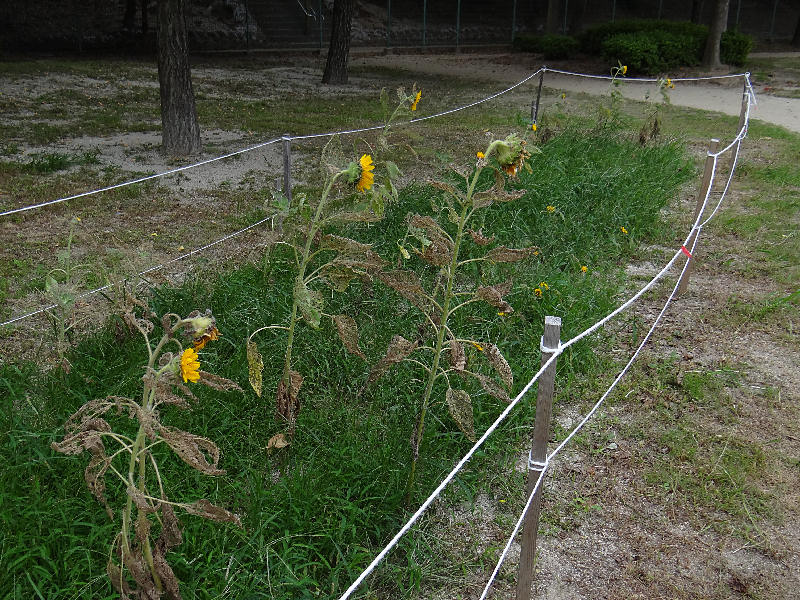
[(366, 176), (201, 327), (190, 366), (511, 155)]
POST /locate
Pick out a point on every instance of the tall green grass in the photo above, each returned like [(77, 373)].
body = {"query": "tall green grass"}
[(314, 515)]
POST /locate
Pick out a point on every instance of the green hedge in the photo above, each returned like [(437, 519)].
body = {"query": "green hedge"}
[(734, 48), (650, 46), (551, 45)]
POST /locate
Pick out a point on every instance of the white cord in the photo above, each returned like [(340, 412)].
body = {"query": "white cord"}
[(643, 79)]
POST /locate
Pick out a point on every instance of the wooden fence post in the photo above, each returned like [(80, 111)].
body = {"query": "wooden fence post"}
[(701, 196), (538, 454), (743, 112), (287, 167), (535, 104)]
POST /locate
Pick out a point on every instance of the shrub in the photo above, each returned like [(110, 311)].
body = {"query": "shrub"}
[(551, 45), (591, 40), (734, 48)]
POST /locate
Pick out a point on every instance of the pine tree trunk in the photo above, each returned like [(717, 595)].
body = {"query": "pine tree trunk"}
[(339, 50), (697, 11), (719, 23), (796, 36), (180, 131)]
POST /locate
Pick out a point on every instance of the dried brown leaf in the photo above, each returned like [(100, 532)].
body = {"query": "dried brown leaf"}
[(118, 580), (493, 294), (94, 475), (139, 499), (196, 451), (456, 356), (370, 263), (408, 285), (500, 365), (204, 508), (345, 245), (255, 367), (277, 441), (348, 333), (440, 250), (170, 534), (218, 383), (165, 573), (287, 402), (450, 189), (399, 349), (479, 238), (459, 404), (502, 254), (493, 388), (142, 527)]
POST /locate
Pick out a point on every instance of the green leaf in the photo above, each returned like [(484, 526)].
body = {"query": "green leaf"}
[(392, 170), (309, 303)]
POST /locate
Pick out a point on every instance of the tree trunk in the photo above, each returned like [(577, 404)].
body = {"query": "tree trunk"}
[(796, 36), (145, 25), (719, 23), (553, 13), (339, 50), (697, 11), (180, 133), (130, 15)]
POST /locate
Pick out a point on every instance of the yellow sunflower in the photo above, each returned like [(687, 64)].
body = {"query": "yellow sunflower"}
[(190, 365), (416, 101), (367, 176)]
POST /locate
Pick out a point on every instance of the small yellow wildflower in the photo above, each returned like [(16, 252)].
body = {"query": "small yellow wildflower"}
[(623, 230), (416, 101), (537, 292), (551, 208), (563, 96), (481, 155), (544, 286), (624, 69), (367, 176), (478, 346), (190, 365), (669, 82), (502, 314), (584, 269), (533, 126)]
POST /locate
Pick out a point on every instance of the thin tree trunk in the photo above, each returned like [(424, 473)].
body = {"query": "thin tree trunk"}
[(145, 24), (796, 36), (553, 13), (719, 23), (180, 131), (130, 15), (339, 49)]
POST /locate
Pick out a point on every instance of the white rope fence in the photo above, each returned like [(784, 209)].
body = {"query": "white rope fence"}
[(695, 231)]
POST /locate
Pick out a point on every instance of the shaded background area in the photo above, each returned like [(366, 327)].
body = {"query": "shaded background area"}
[(129, 25)]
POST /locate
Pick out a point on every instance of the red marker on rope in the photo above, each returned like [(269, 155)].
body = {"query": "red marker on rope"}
[(686, 252)]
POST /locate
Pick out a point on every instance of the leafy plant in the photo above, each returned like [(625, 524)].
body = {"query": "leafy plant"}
[(551, 45), (136, 566), (431, 241), (349, 195)]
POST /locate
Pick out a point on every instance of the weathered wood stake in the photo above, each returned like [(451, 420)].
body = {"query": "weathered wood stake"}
[(538, 454), (743, 112), (535, 104), (701, 196)]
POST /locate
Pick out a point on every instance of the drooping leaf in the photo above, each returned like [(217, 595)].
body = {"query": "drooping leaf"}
[(196, 451), (500, 365), (491, 387), (221, 384), (309, 303), (408, 285), (459, 405), (348, 333), (493, 294), (479, 238), (255, 368), (204, 508), (502, 254), (287, 401), (345, 245), (392, 170), (399, 349), (456, 356), (439, 251)]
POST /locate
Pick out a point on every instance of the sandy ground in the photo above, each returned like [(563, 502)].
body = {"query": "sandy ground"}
[(510, 68)]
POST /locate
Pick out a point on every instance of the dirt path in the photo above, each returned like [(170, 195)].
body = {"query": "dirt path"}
[(510, 68)]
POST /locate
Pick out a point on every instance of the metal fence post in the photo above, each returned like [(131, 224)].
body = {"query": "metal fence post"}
[(247, 26), (541, 433), (535, 104), (319, 22), (287, 167), (701, 196)]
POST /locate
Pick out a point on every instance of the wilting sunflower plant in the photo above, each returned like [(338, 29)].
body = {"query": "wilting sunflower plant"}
[(324, 260), (439, 241), (137, 565)]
